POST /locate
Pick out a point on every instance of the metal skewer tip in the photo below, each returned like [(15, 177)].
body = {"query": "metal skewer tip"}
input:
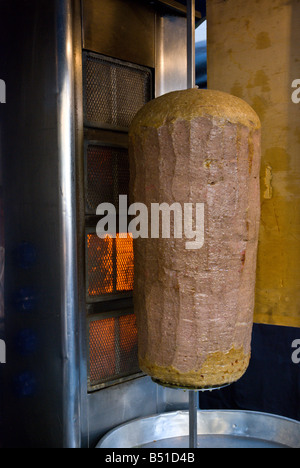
[(193, 414)]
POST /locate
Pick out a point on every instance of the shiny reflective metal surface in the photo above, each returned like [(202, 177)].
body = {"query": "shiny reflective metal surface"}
[(191, 44), (120, 29), (41, 383), (66, 162), (193, 418), (216, 429), (140, 397), (171, 54)]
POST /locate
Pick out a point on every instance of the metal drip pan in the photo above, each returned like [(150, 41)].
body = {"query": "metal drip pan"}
[(216, 429)]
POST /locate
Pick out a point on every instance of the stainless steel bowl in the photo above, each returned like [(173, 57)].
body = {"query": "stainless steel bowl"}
[(216, 429)]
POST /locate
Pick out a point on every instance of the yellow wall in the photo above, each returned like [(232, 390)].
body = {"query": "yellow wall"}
[(254, 53)]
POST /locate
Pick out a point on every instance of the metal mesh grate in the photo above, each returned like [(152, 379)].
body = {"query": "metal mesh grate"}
[(124, 263), (113, 349), (107, 175), (100, 265), (110, 265), (114, 91)]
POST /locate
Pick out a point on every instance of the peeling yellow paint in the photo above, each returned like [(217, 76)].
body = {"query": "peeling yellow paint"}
[(261, 80), (256, 58), (268, 183), (263, 41)]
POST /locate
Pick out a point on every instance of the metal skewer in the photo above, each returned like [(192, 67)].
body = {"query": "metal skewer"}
[(193, 397), (191, 43), (191, 83), (193, 407)]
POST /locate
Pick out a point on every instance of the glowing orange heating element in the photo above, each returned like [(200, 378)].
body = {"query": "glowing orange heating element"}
[(100, 265), (110, 264), (113, 341), (124, 255), (113, 344), (128, 333)]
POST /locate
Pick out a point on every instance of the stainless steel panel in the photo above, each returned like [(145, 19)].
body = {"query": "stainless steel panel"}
[(80, 204), (68, 223), (171, 54), (216, 429), (120, 29), (174, 399), (42, 382), (140, 397)]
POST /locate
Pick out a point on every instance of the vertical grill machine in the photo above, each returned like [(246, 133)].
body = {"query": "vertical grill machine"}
[(76, 74)]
